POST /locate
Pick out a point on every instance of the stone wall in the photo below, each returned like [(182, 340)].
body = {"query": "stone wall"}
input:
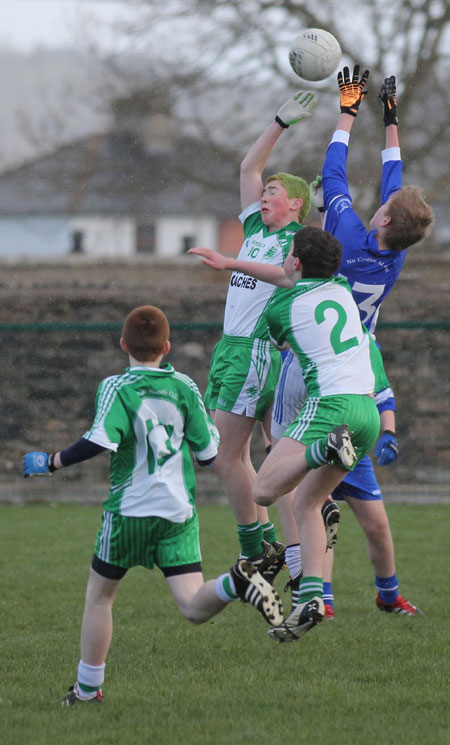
[(50, 377)]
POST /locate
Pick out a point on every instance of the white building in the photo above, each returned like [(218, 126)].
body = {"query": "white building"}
[(134, 190)]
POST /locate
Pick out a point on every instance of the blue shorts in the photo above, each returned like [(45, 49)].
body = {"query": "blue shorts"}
[(360, 483)]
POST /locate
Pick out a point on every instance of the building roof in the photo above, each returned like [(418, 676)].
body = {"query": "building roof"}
[(113, 174)]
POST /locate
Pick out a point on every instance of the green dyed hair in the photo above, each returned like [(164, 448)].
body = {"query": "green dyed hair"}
[(295, 187)]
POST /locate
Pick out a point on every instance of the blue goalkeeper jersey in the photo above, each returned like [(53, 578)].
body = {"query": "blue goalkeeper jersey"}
[(370, 272)]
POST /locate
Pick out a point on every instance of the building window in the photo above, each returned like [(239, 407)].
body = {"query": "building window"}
[(77, 246), (145, 239), (187, 242)]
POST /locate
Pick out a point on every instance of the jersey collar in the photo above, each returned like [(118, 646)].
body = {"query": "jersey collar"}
[(291, 227), (166, 369)]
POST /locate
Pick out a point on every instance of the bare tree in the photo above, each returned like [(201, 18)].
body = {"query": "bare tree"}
[(226, 64), (222, 66), (50, 98)]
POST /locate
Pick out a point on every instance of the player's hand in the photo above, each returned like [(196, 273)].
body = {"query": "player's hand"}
[(296, 108), (388, 101), (316, 191), (352, 91), (211, 258), (37, 464), (386, 448)]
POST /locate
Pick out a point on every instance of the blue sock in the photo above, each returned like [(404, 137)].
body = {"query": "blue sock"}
[(328, 597), (387, 588)]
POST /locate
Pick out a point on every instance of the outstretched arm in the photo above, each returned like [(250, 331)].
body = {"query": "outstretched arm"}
[(345, 122), (294, 110), (388, 100), (274, 275), (39, 463), (351, 91), (391, 179), (392, 136), (252, 166), (334, 170)]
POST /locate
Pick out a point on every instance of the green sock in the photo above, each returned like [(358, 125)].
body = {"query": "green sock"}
[(269, 532), (316, 453), (250, 538), (310, 587), (87, 689)]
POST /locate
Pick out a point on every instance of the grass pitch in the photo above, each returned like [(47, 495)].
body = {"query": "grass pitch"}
[(363, 678)]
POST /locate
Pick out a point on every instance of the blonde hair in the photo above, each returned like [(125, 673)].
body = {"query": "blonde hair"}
[(295, 187), (411, 219)]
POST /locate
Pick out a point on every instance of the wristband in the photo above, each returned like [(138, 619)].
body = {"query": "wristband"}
[(280, 122), (50, 465)]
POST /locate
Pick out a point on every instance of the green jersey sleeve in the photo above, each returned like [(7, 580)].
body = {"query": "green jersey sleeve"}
[(253, 223), (381, 379), (201, 434), (275, 321), (111, 423)]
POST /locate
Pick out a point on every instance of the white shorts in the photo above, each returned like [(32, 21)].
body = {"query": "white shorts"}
[(290, 395)]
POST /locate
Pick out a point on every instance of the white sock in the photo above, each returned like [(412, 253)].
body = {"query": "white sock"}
[(90, 675), (294, 560), (225, 589)]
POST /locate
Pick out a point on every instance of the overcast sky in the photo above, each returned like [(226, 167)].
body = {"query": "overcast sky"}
[(25, 24)]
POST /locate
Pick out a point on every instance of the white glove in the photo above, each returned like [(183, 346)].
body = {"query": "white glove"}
[(296, 108), (316, 191)]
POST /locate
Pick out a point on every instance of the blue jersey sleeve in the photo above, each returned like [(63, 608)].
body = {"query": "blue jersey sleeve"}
[(391, 177), (341, 219), (334, 173), (371, 272), (385, 400)]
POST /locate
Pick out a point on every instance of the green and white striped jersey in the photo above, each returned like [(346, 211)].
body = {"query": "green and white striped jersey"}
[(247, 297), (149, 418), (320, 320)]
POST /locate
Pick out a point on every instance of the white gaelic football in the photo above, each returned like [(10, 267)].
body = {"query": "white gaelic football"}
[(314, 54)]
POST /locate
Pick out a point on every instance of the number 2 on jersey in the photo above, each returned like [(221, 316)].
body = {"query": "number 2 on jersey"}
[(337, 343)]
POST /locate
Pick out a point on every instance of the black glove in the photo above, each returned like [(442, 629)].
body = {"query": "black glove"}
[(352, 91), (388, 101)]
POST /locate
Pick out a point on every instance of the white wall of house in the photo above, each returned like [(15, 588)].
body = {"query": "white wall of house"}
[(109, 237), (173, 234), (53, 236), (33, 236), (100, 236)]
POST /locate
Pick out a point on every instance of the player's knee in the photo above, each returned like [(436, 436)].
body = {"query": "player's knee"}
[(260, 495), (376, 530), (262, 500), (193, 616), (224, 463)]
